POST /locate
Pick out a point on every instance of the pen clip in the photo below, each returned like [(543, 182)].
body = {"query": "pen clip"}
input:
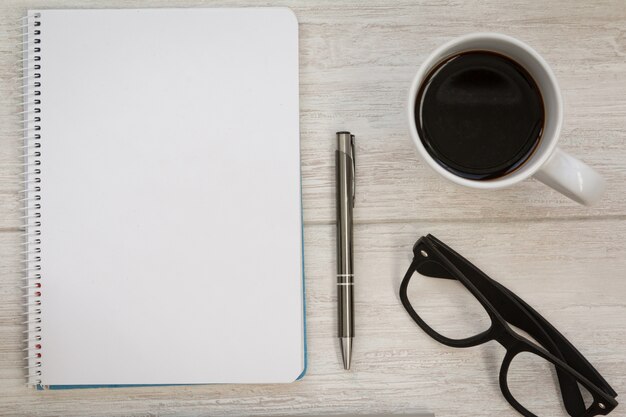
[(353, 170)]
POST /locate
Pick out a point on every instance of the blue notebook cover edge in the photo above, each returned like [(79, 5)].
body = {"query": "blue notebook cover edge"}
[(306, 356)]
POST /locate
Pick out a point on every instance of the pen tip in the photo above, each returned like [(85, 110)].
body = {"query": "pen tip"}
[(346, 351)]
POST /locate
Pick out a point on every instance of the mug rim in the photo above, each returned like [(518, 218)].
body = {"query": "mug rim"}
[(532, 165)]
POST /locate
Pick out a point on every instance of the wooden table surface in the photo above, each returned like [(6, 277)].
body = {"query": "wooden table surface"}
[(357, 59)]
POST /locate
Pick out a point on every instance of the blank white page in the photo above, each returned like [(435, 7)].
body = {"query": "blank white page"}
[(170, 192)]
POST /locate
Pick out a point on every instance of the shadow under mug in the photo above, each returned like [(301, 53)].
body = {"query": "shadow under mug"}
[(548, 164)]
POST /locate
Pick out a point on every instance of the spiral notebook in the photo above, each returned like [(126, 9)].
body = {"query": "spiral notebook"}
[(163, 213)]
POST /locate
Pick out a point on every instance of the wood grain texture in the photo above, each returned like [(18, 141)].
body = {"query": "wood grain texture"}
[(356, 62)]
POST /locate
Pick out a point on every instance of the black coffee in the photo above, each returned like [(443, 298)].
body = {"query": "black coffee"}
[(480, 115)]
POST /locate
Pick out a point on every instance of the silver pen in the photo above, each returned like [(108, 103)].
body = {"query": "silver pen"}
[(345, 186)]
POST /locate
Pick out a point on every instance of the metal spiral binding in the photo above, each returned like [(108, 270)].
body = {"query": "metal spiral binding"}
[(30, 26)]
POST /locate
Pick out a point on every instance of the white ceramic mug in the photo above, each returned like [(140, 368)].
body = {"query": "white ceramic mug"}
[(548, 164)]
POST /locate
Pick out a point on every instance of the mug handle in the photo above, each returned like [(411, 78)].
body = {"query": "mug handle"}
[(572, 178)]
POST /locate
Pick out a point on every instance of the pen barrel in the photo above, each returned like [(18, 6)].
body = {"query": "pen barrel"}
[(344, 214), (344, 164), (345, 297)]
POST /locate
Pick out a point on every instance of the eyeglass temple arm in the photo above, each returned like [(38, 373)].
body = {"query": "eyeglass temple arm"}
[(571, 354), (518, 313)]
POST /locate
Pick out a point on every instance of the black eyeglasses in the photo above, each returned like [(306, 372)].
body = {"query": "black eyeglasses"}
[(584, 392)]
